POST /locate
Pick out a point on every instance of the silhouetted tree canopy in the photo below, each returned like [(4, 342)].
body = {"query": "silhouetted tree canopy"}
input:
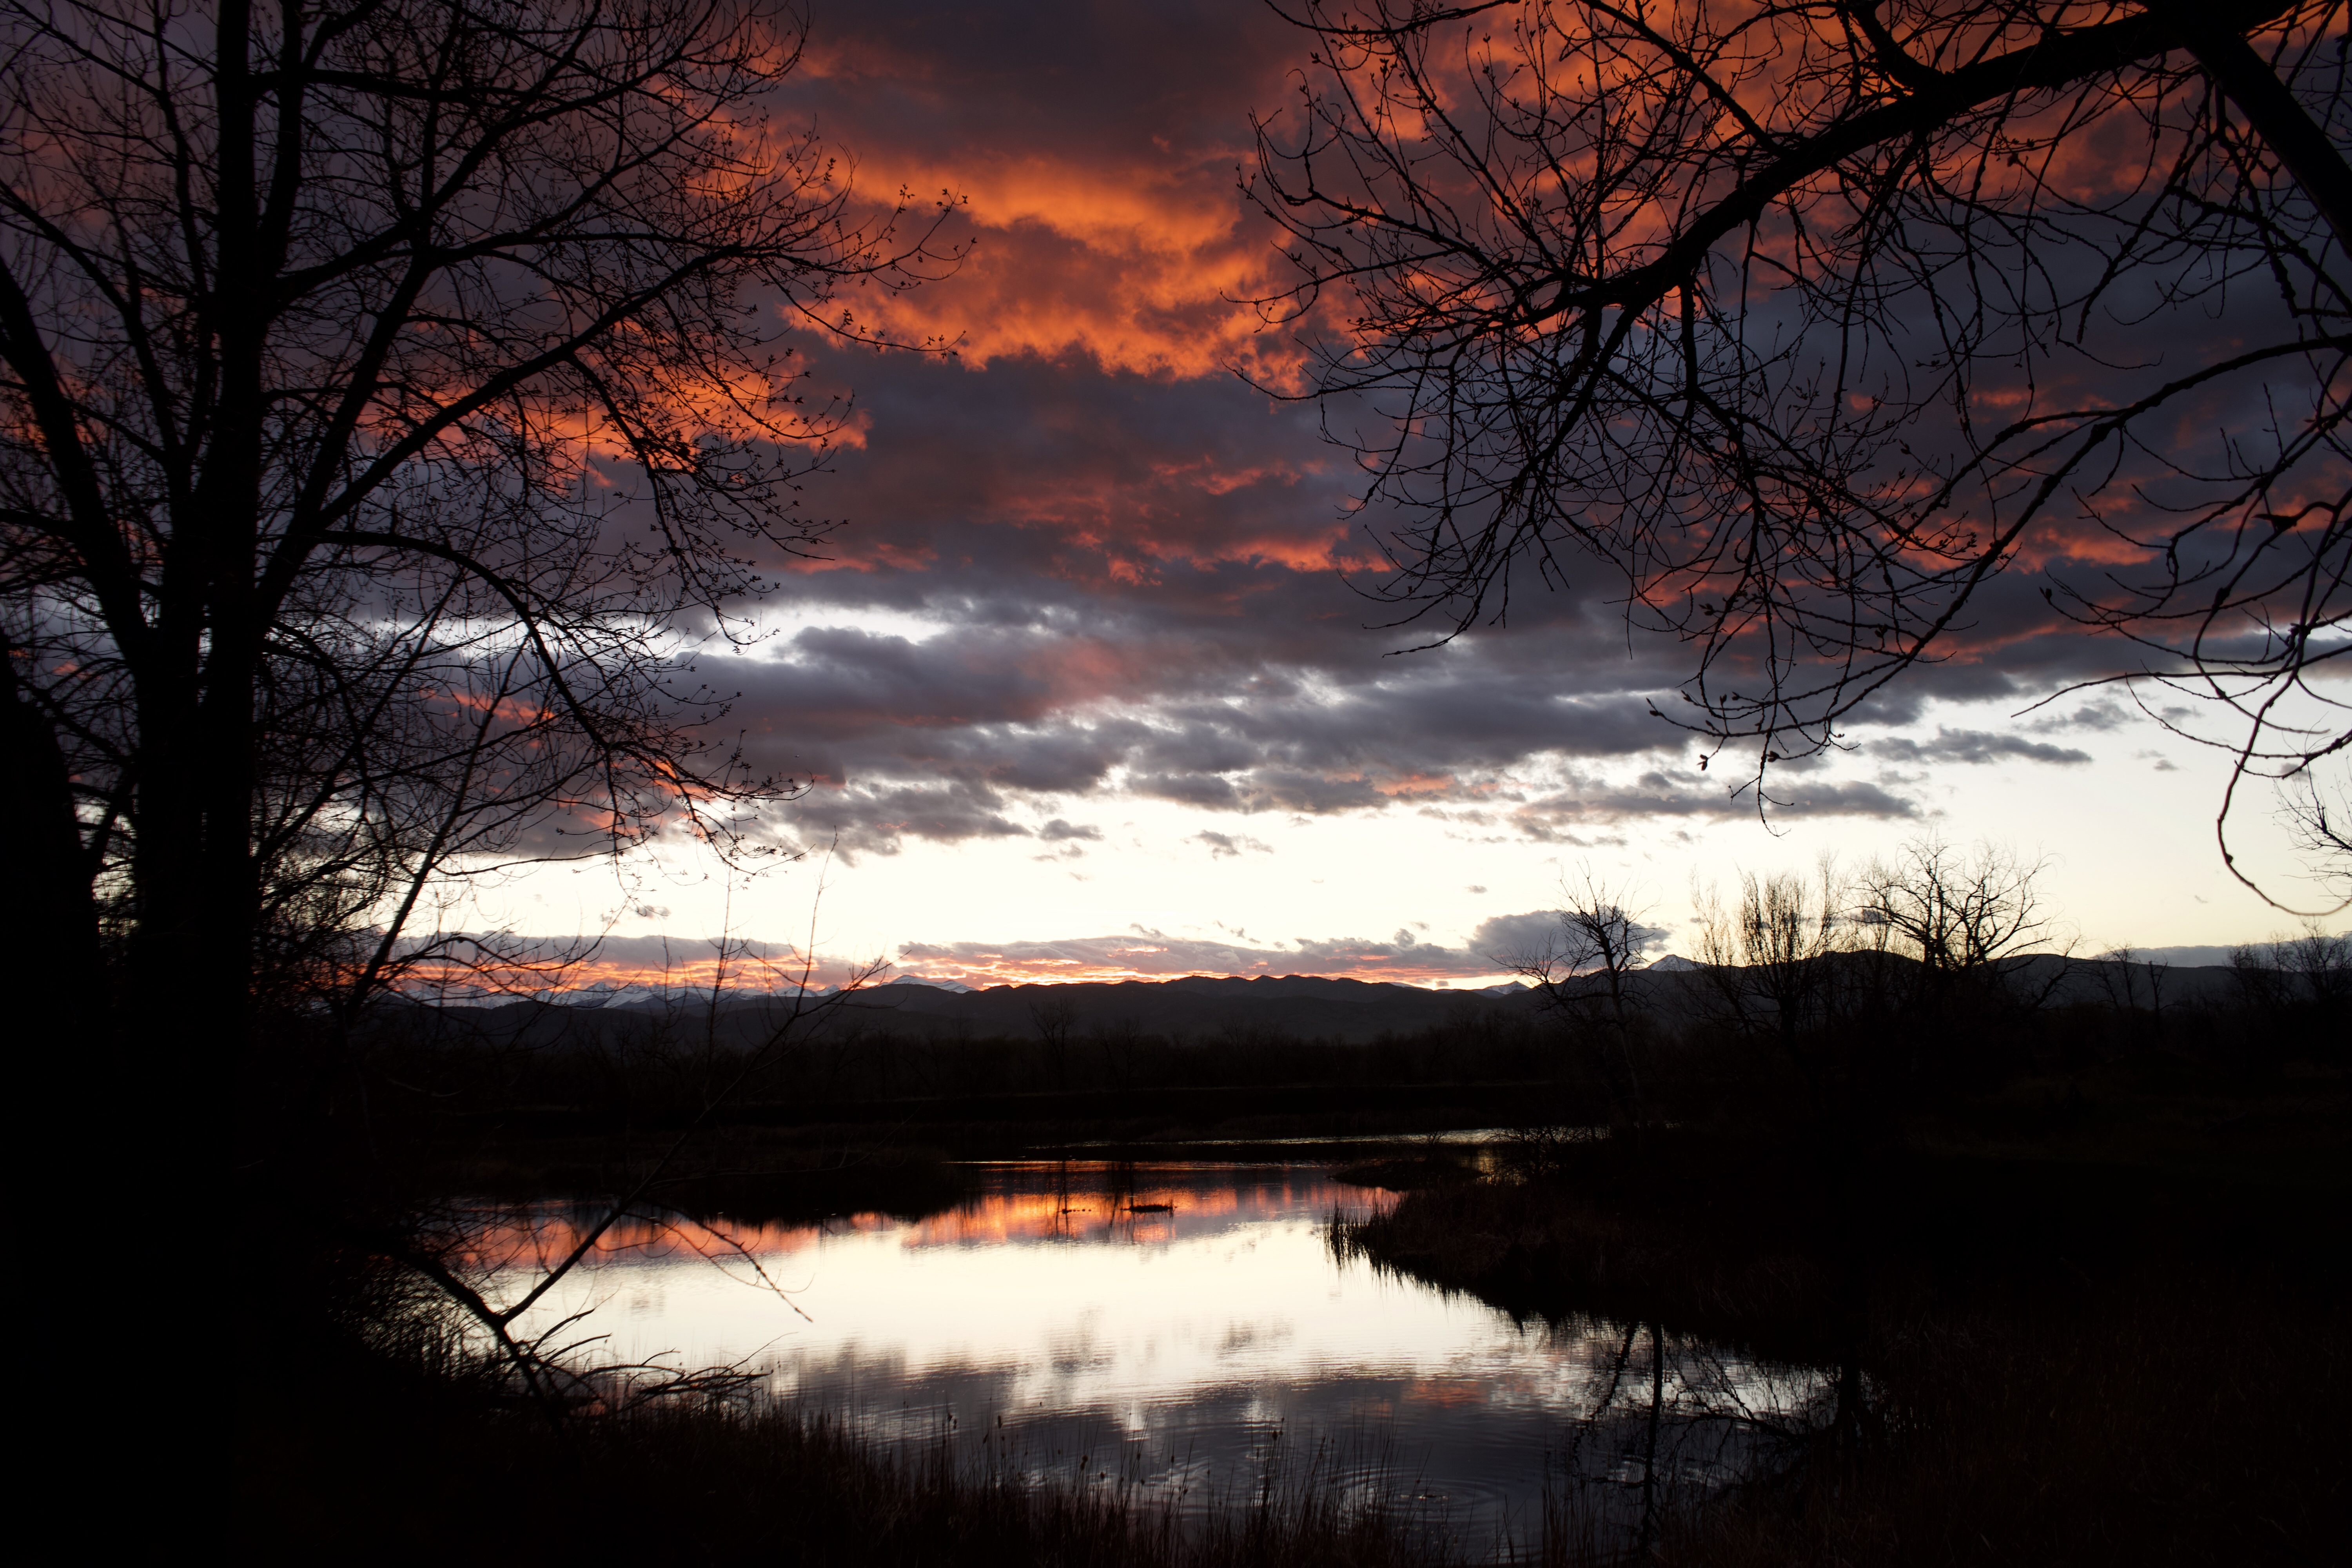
[(1802, 320), (394, 394)]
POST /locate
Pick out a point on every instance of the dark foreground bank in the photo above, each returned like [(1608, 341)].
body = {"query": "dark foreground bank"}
[(2093, 1321)]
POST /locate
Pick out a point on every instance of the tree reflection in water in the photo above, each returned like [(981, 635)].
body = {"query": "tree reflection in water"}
[(1675, 1419)]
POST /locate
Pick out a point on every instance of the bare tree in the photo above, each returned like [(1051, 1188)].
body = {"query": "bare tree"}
[(397, 397), (2121, 972), (2322, 960), (1768, 963), (1054, 1015), (1800, 320), (2313, 969), (1978, 951), (2318, 809), (1594, 948), (1970, 915), (1860, 981), (1119, 1038)]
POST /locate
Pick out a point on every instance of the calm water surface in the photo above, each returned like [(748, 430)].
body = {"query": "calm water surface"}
[(1176, 1325)]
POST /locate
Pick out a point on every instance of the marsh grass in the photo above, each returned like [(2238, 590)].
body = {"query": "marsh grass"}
[(937, 1503), (773, 1483)]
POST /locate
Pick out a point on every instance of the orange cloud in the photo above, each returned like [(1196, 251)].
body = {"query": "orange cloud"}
[(1057, 275)]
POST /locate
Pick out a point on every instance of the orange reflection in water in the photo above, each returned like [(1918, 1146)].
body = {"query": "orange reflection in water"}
[(1084, 1199)]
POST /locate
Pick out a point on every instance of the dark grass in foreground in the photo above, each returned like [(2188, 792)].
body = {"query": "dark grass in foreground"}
[(717, 1482)]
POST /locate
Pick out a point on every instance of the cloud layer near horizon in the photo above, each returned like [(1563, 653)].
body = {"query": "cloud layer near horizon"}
[(677, 963), (1146, 955)]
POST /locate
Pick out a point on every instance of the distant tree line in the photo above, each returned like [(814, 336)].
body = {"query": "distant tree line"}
[(1844, 1000), (1933, 973)]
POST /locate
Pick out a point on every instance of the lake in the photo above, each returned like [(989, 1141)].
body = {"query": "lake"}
[(1177, 1326)]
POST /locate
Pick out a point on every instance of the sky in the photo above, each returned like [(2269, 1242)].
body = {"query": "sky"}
[(1089, 689)]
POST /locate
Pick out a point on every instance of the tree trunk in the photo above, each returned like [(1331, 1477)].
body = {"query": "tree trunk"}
[(52, 944)]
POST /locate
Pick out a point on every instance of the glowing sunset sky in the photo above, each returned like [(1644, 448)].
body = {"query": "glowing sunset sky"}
[(1085, 688)]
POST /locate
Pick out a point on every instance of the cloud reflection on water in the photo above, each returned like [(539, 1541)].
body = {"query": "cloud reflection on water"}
[(1047, 1320)]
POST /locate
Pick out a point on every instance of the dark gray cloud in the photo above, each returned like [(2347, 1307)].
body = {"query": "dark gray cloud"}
[(861, 820), (1509, 939), (1559, 818), (1207, 791), (1973, 746), (1090, 697), (1225, 845), (2103, 714), (1135, 574)]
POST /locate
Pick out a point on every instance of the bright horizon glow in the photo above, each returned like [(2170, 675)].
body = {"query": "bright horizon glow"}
[(1288, 893)]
